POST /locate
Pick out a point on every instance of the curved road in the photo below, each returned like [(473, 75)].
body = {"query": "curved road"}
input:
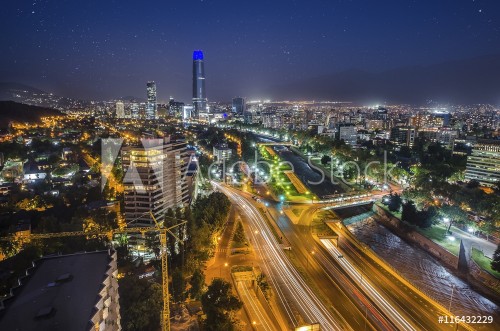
[(293, 293)]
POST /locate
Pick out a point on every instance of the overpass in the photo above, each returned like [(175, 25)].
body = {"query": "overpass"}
[(276, 143), (339, 201)]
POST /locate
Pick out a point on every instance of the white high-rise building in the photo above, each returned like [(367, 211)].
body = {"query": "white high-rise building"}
[(187, 111), (120, 110), (483, 164), (151, 105), (154, 179)]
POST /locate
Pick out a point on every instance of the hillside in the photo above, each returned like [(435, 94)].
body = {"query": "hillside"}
[(18, 112)]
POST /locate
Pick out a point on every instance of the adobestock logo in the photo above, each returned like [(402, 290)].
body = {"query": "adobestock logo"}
[(145, 166), (262, 171)]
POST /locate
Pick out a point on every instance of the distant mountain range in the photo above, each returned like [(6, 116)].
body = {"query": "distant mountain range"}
[(18, 112), (32, 96), (475, 80)]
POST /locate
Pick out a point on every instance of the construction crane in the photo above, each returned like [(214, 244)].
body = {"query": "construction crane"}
[(165, 313)]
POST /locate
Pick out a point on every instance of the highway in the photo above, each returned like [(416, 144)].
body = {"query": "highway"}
[(259, 317), (351, 301), (292, 291), (415, 307), (423, 311), (384, 306), (367, 287)]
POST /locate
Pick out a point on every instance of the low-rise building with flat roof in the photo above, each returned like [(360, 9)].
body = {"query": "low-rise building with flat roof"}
[(66, 292)]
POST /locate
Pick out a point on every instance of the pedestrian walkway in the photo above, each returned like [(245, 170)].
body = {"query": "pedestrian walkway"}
[(469, 241)]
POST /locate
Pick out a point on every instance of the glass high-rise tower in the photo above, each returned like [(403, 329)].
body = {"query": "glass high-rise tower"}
[(151, 105), (238, 105), (199, 96)]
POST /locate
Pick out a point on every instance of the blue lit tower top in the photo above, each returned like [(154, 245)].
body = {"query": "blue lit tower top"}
[(199, 96), (197, 55)]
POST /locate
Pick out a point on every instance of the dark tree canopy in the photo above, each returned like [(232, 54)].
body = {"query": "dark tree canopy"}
[(217, 303), (197, 283), (495, 262), (140, 304)]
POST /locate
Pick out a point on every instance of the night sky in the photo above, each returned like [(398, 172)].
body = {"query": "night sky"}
[(106, 49)]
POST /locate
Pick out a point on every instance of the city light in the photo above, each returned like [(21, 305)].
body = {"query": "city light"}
[(177, 179)]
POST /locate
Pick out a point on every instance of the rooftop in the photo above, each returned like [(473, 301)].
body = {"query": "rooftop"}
[(59, 294)]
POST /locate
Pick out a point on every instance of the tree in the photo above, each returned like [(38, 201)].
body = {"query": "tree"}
[(426, 217), (395, 202), (495, 262), (140, 304), (454, 214), (487, 227), (99, 220), (409, 213), (178, 285), (239, 234), (197, 283), (152, 243), (218, 302), (325, 159), (473, 184), (264, 285)]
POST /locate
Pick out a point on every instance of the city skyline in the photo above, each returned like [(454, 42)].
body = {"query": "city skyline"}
[(83, 54), (250, 165)]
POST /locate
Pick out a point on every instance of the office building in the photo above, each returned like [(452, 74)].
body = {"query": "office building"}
[(120, 109), (175, 108), (347, 132), (381, 114), (154, 179), (151, 105), (430, 120), (238, 105), (372, 125), (222, 152), (66, 292), (443, 117), (199, 96), (187, 112), (483, 165), (403, 136), (134, 110)]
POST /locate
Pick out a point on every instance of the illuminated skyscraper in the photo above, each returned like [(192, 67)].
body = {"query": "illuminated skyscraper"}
[(151, 106), (134, 110), (238, 105), (154, 178), (199, 96), (120, 110)]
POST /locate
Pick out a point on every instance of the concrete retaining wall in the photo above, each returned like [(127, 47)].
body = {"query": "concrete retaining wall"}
[(406, 232), (483, 277)]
